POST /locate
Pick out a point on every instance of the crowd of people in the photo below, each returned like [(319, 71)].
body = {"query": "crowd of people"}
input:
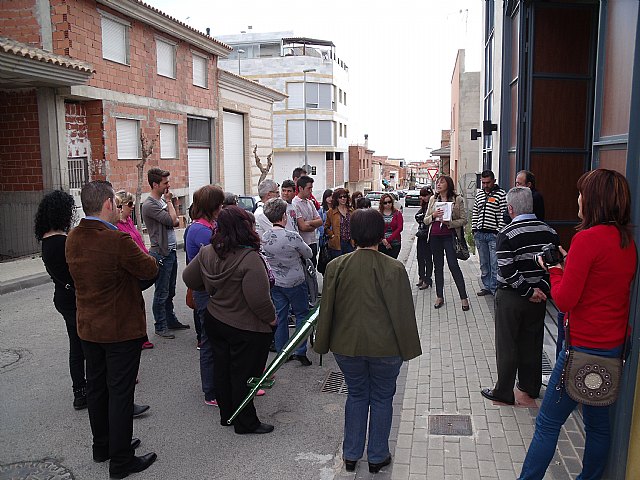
[(246, 278)]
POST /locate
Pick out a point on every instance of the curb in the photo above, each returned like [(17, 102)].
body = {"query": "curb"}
[(29, 281), (37, 279)]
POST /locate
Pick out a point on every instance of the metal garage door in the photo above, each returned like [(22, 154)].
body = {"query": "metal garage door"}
[(233, 140), (199, 171)]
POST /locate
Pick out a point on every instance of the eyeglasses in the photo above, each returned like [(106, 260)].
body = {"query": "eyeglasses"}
[(387, 203), (128, 204), (343, 196)]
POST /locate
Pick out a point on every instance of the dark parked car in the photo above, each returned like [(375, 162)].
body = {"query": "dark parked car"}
[(248, 202), (412, 198)]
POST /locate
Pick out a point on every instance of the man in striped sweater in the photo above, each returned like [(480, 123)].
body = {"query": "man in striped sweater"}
[(520, 299), (486, 222)]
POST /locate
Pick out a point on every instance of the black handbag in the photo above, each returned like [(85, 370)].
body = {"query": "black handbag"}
[(591, 379), (460, 244), (324, 257)]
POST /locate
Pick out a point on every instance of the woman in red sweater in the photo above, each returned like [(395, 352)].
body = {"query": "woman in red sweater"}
[(594, 287), (393, 222)]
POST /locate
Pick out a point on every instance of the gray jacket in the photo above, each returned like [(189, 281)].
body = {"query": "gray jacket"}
[(158, 223)]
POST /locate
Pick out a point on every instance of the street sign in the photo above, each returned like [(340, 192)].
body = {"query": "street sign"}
[(432, 172)]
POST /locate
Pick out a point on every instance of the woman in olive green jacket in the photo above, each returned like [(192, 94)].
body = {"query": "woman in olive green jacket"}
[(369, 337)]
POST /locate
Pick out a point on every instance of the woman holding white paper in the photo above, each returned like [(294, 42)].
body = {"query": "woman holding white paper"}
[(442, 220)]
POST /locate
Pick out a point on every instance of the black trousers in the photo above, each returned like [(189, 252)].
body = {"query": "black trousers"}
[(439, 245), (112, 369), (314, 253), (425, 260), (393, 252), (519, 337), (76, 355), (237, 355)]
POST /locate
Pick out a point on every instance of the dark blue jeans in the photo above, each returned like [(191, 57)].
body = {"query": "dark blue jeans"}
[(345, 247), (163, 313), (556, 408), (206, 350), (296, 299), (372, 385), (425, 260)]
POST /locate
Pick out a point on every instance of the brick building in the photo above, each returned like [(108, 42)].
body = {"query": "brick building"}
[(82, 80)]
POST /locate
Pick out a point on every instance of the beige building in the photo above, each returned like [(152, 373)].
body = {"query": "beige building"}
[(246, 110)]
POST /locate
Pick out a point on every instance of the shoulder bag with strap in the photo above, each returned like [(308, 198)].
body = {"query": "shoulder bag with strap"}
[(591, 379)]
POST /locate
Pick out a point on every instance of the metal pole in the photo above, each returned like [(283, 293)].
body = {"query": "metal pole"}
[(304, 94), (240, 51)]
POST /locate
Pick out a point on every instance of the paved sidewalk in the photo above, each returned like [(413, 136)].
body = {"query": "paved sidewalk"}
[(458, 361)]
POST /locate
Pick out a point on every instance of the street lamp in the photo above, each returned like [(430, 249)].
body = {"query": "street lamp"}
[(240, 51), (304, 95)]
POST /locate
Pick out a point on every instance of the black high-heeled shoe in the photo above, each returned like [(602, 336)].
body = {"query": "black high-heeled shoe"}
[(465, 308), (439, 304), (375, 467), (350, 465)]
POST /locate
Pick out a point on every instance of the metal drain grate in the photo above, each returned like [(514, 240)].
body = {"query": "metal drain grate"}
[(546, 364), (335, 383), (450, 425)]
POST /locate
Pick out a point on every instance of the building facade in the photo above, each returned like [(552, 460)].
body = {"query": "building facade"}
[(278, 60), (560, 90)]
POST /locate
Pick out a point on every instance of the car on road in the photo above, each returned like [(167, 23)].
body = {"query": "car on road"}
[(375, 199), (412, 198), (248, 202)]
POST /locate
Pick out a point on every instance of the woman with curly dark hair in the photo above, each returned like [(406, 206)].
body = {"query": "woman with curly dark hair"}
[(239, 317), (52, 223)]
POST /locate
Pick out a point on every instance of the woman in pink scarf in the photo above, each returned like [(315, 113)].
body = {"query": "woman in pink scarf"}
[(125, 203)]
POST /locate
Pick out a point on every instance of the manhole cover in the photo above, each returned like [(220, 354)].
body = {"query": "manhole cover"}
[(450, 425), (335, 384), (8, 358), (37, 470)]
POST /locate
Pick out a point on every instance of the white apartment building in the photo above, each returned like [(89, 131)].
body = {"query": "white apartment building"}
[(278, 60)]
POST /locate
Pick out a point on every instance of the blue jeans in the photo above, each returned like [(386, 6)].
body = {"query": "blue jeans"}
[(294, 298), (345, 247), (486, 243), (206, 351), (372, 385), (165, 290), (556, 408)]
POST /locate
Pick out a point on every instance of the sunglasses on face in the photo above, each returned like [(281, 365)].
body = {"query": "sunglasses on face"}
[(128, 204), (387, 202), (343, 196)]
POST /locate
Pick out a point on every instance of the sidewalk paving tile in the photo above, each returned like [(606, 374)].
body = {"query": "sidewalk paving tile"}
[(458, 361)]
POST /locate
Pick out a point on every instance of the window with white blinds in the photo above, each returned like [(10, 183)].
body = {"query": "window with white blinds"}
[(319, 95), (319, 132), (115, 40), (127, 139), (168, 140), (166, 53), (199, 71)]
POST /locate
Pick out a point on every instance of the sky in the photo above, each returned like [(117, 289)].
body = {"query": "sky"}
[(400, 54)]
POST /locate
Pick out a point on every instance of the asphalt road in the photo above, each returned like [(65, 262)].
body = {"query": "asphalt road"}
[(39, 427)]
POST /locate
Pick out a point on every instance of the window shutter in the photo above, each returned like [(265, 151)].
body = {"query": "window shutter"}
[(325, 96), (168, 140), (200, 71), (166, 59), (312, 95), (312, 132), (115, 45), (325, 131), (127, 139), (295, 95), (295, 134)]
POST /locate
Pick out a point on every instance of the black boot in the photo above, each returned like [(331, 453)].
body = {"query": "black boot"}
[(79, 398)]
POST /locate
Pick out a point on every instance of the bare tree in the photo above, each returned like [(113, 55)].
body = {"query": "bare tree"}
[(264, 170), (147, 147)]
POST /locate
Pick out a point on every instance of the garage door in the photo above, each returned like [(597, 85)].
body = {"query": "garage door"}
[(233, 139), (199, 171)]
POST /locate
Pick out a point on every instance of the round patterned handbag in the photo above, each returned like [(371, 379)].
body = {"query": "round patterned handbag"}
[(591, 379)]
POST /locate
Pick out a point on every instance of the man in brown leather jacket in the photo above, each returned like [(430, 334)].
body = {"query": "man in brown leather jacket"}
[(106, 266)]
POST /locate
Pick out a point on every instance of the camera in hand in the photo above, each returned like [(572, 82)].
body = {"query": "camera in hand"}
[(550, 255)]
